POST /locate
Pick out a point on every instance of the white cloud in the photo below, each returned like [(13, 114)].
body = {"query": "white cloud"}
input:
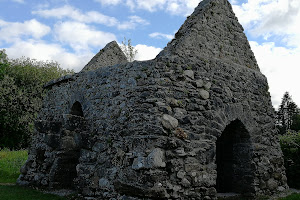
[(69, 12), (109, 2), (146, 52), (81, 36), (11, 31), (280, 65), (19, 1), (182, 7), (43, 51), (268, 18), (132, 23), (175, 7), (161, 36)]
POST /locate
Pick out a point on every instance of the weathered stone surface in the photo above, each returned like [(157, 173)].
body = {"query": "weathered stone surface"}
[(204, 94), (159, 130), (189, 73), (110, 55), (169, 122)]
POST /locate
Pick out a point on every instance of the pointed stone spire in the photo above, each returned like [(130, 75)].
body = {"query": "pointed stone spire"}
[(110, 55), (212, 32)]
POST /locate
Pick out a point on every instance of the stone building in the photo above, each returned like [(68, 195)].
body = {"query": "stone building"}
[(195, 121)]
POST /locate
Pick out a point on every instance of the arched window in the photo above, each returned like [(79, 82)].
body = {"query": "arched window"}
[(77, 109), (233, 158)]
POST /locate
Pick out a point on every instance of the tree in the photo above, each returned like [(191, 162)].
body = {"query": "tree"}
[(286, 112), (296, 123), (21, 93), (129, 51)]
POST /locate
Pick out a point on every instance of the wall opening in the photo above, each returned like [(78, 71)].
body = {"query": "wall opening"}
[(65, 172), (77, 109), (233, 158)]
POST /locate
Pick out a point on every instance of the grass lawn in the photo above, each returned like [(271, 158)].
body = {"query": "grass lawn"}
[(291, 197), (20, 193), (10, 164)]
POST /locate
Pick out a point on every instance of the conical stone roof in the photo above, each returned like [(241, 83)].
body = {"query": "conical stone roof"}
[(110, 55), (212, 31)]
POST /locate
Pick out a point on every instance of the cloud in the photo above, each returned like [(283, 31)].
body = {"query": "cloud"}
[(174, 7), (280, 65), (52, 52), (161, 36), (109, 2), (132, 23), (69, 12), (269, 18), (80, 36), (146, 52), (11, 31), (19, 1)]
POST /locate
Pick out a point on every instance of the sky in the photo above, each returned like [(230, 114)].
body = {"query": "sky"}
[(71, 32)]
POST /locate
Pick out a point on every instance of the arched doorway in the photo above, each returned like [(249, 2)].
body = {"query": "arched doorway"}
[(77, 109), (233, 158)]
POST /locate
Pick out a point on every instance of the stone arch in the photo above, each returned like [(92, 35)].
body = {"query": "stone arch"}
[(233, 158), (76, 109)]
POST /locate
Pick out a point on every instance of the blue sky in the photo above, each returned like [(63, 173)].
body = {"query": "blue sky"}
[(71, 32)]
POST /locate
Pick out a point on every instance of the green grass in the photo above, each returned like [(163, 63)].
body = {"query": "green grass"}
[(291, 197), (20, 193), (10, 164)]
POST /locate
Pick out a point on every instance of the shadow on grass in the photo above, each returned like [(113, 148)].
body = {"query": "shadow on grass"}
[(21, 193)]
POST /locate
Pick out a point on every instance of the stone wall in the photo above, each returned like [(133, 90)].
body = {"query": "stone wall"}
[(153, 129)]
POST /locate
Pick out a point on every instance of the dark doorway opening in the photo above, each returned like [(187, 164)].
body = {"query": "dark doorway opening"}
[(233, 158), (65, 172), (77, 109)]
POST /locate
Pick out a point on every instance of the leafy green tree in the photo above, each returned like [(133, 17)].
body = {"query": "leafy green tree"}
[(290, 145), (129, 51), (21, 93), (296, 123)]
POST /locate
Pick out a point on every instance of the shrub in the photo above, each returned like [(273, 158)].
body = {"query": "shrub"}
[(290, 145), (21, 93)]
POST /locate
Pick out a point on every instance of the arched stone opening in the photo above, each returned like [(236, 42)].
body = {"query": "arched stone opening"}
[(233, 159), (77, 109)]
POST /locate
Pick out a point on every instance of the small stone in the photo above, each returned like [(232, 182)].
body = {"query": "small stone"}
[(103, 183), (155, 159), (185, 182), (138, 163), (189, 73), (180, 152), (199, 83), (181, 174), (281, 189), (207, 86), (204, 94), (272, 184), (169, 122)]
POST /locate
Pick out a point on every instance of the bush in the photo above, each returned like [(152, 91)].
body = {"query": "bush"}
[(290, 145), (21, 93)]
